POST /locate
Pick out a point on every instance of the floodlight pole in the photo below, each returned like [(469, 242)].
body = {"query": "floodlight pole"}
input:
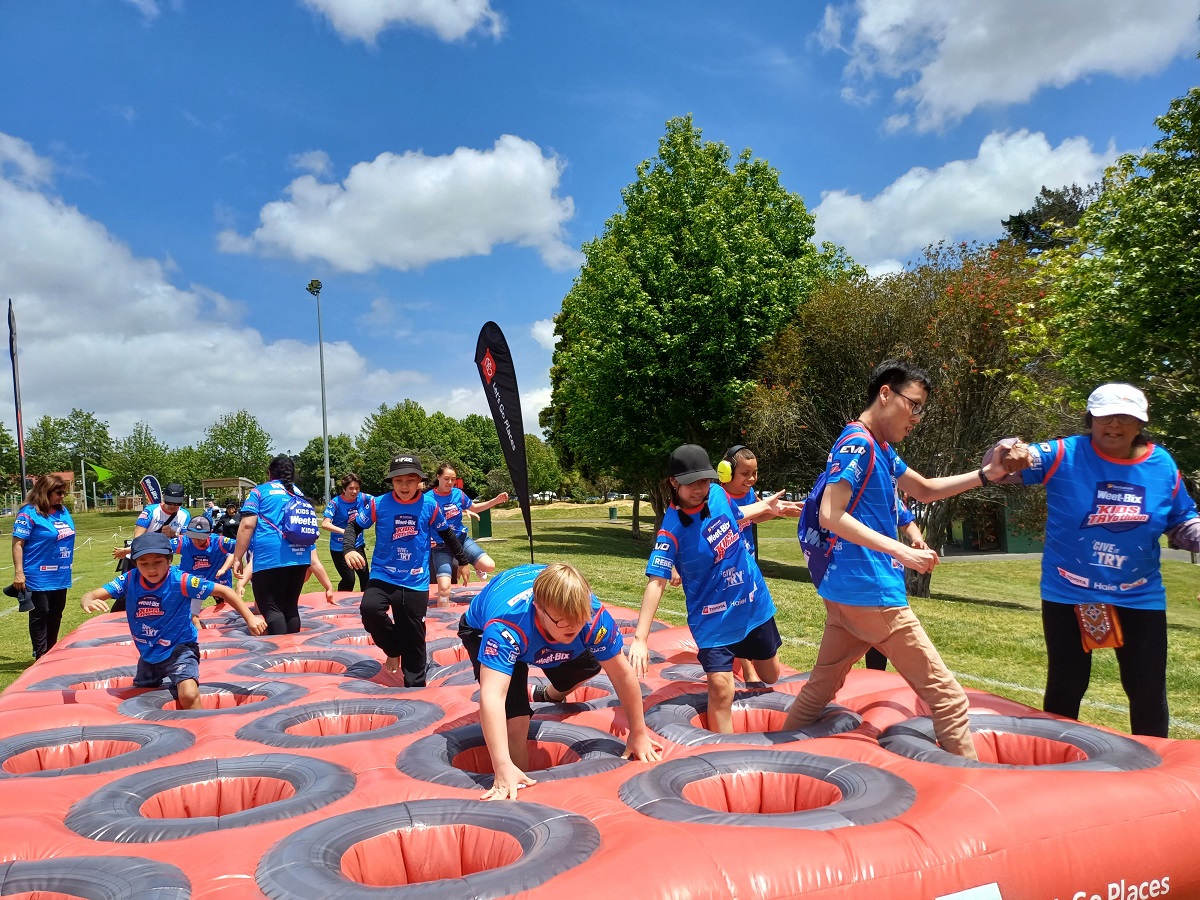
[(314, 288)]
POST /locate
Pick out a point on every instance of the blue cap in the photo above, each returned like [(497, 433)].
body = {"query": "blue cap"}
[(150, 542)]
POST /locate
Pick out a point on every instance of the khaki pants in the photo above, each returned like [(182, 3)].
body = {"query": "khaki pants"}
[(849, 632)]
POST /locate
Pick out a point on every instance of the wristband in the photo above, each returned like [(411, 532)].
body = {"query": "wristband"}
[(983, 479)]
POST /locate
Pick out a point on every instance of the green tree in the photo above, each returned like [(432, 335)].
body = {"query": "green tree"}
[(660, 331), (1044, 225), (46, 447), (385, 433), (10, 462), (481, 453), (310, 463), (87, 437), (545, 474), (187, 466), (137, 455), (236, 445), (1123, 300)]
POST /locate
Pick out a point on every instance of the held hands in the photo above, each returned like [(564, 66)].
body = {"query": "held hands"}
[(639, 656), (509, 779), (644, 748)]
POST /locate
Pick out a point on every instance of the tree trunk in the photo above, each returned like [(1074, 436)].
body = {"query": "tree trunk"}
[(637, 503)]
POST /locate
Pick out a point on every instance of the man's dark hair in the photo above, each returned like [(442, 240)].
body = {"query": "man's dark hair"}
[(894, 373)]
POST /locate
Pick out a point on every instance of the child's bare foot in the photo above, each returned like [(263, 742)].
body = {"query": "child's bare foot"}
[(392, 664)]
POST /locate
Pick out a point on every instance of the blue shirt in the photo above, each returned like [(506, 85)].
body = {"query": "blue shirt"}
[(49, 547), (403, 537), (504, 612), (1104, 518), (726, 595), (453, 505), (160, 615), (204, 561), (748, 532), (858, 576), (270, 548), (338, 511), (155, 518)]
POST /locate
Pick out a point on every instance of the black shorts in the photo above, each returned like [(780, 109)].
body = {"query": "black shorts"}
[(564, 677), (763, 642)]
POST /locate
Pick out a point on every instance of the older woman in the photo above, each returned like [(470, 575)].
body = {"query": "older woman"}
[(1111, 494), (43, 548)]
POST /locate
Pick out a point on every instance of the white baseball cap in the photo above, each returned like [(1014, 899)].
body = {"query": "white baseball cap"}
[(1118, 400)]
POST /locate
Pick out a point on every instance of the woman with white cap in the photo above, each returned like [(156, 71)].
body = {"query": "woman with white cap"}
[(1111, 494)]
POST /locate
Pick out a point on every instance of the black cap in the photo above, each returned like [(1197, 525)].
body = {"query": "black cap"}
[(173, 493), (150, 542), (690, 463), (404, 464)]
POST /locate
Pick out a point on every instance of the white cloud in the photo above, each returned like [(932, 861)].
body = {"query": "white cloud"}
[(962, 199), (106, 331), (148, 8), (953, 57), (31, 169), (543, 332), (316, 162), (406, 211), (451, 20)]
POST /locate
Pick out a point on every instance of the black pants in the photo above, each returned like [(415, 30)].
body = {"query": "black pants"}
[(401, 635), (876, 660), (1142, 663), (564, 677), (45, 619), (347, 573), (277, 594)]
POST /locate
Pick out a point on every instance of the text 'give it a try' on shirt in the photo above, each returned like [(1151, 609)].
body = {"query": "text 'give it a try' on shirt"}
[(725, 592), (504, 612), (858, 576)]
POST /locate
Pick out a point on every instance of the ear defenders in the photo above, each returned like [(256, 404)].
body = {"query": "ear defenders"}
[(725, 466)]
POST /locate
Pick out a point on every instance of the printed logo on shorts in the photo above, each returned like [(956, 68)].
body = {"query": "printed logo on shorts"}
[(721, 534), (1117, 507), (404, 527)]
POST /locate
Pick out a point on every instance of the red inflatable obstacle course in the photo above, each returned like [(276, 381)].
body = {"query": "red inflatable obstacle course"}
[(311, 772)]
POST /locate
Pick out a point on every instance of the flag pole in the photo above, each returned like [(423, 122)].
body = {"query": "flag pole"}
[(12, 352)]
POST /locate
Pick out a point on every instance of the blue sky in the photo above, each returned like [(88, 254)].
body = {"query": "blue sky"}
[(174, 172)]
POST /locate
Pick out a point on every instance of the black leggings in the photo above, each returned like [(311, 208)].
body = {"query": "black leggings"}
[(347, 573), (45, 619), (1142, 663), (277, 593), (402, 634)]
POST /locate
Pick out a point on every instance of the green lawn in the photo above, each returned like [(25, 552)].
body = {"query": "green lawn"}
[(983, 615)]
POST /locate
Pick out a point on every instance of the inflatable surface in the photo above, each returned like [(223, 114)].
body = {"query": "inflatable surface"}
[(311, 773)]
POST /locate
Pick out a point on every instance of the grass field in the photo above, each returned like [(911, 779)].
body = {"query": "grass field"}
[(983, 615)]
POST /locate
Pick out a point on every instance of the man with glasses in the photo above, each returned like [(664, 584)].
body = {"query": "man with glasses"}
[(545, 616), (866, 604)]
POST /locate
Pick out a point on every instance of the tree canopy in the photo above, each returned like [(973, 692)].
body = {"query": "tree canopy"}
[(661, 330)]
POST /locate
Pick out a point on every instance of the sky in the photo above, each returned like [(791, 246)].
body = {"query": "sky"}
[(173, 173)]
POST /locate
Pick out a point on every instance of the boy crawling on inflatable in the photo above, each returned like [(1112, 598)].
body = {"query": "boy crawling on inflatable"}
[(546, 616), (160, 601)]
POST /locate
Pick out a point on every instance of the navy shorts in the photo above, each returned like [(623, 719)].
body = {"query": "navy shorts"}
[(761, 643), (443, 561), (182, 664)]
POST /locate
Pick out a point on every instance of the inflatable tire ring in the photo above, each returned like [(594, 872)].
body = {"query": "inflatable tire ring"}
[(672, 719), (244, 647), (261, 666), (442, 614), (272, 730), (869, 795), (154, 742), (598, 681), (1105, 752), (374, 688), (113, 813), (95, 878), (307, 863), (149, 706), (431, 758), (331, 638), (434, 672), (695, 672), (631, 625), (439, 644), (125, 638), (65, 682), (237, 626)]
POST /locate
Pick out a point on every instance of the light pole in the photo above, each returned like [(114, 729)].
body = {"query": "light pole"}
[(314, 288)]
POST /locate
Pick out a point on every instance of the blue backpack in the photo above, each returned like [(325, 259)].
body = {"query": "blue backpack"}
[(300, 525), (817, 542)]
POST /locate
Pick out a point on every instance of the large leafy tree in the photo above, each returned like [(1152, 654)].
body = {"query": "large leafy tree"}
[(1044, 226), (660, 331), (1123, 299), (137, 455), (310, 463), (386, 432), (952, 314), (46, 447), (236, 445)]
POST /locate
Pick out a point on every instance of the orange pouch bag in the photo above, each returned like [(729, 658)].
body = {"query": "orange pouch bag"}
[(1099, 626)]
